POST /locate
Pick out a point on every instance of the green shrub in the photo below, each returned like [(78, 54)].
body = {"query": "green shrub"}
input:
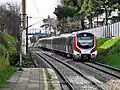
[(26, 60), (3, 50), (100, 42), (109, 43), (9, 42), (4, 62), (6, 74), (7, 47)]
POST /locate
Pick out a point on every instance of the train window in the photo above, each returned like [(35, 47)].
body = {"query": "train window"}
[(85, 40), (57, 41)]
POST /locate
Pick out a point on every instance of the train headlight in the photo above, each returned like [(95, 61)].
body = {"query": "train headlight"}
[(93, 50), (78, 50)]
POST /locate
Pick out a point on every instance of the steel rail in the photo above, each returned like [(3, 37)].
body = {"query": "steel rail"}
[(60, 74), (107, 72), (107, 66), (99, 85)]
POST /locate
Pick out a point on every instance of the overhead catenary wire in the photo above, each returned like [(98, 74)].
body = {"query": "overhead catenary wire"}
[(20, 6), (36, 6), (35, 23)]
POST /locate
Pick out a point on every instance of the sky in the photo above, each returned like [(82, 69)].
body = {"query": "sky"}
[(38, 9), (41, 8)]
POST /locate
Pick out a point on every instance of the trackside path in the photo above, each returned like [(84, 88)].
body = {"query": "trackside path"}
[(33, 79)]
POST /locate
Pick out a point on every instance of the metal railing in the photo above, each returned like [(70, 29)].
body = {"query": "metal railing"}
[(112, 30)]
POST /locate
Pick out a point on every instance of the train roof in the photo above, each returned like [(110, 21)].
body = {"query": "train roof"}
[(81, 32), (65, 35)]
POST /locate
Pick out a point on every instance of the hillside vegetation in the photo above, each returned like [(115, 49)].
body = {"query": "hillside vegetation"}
[(7, 47), (109, 51)]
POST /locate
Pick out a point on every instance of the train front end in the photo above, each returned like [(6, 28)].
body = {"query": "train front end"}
[(85, 46)]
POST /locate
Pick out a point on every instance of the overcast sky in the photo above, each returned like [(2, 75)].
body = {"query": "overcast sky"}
[(38, 9), (41, 8)]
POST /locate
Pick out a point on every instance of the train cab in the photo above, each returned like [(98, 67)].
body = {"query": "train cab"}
[(85, 46)]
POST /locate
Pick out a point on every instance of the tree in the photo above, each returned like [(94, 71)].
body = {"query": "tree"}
[(108, 6), (89, 8), (49, 23), (9, 17), (80, 6), (64, 13)]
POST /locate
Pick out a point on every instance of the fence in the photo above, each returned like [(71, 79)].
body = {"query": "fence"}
[(108, 31)]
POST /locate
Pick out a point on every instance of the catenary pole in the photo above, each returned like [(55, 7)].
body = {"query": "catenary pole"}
[(22, 31), (23, 17), (27, 36)]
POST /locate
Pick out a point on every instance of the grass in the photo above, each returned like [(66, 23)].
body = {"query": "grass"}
[(49, 78), (109, 43), (100, 42), (109, 52), (6, 74)]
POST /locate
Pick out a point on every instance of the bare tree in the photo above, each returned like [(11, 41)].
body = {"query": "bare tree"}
[(9, 18), (49, 23)]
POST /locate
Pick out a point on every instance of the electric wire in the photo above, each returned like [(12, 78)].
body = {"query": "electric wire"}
[(35, 23), (36, 6)]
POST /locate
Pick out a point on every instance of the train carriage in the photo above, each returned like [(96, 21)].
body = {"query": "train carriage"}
[(81, 46), (85, 46)]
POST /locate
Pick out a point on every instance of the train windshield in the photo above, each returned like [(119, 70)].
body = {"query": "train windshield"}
[(85, 40)]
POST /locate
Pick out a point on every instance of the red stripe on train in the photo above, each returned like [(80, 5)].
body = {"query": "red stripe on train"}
[(95, 48), (75, 43), (75, 46)]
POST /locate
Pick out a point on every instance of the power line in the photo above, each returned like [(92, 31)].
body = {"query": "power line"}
[(37, 17), (40, 19), (20, 5), (34, 23), (35, 6)]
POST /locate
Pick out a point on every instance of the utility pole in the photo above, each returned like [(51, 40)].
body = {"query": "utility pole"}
[(27, 36), (22, 31), (23, 24)]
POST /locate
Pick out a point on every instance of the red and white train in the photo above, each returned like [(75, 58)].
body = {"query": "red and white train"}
[(81, 46)]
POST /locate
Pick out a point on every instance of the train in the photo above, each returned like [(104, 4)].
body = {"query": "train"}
[(80, 46)]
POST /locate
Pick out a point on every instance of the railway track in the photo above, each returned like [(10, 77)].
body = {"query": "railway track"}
[(107, 66), (69, 85), (111, 71), (104, 68), (91, 82), (61, 75)]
